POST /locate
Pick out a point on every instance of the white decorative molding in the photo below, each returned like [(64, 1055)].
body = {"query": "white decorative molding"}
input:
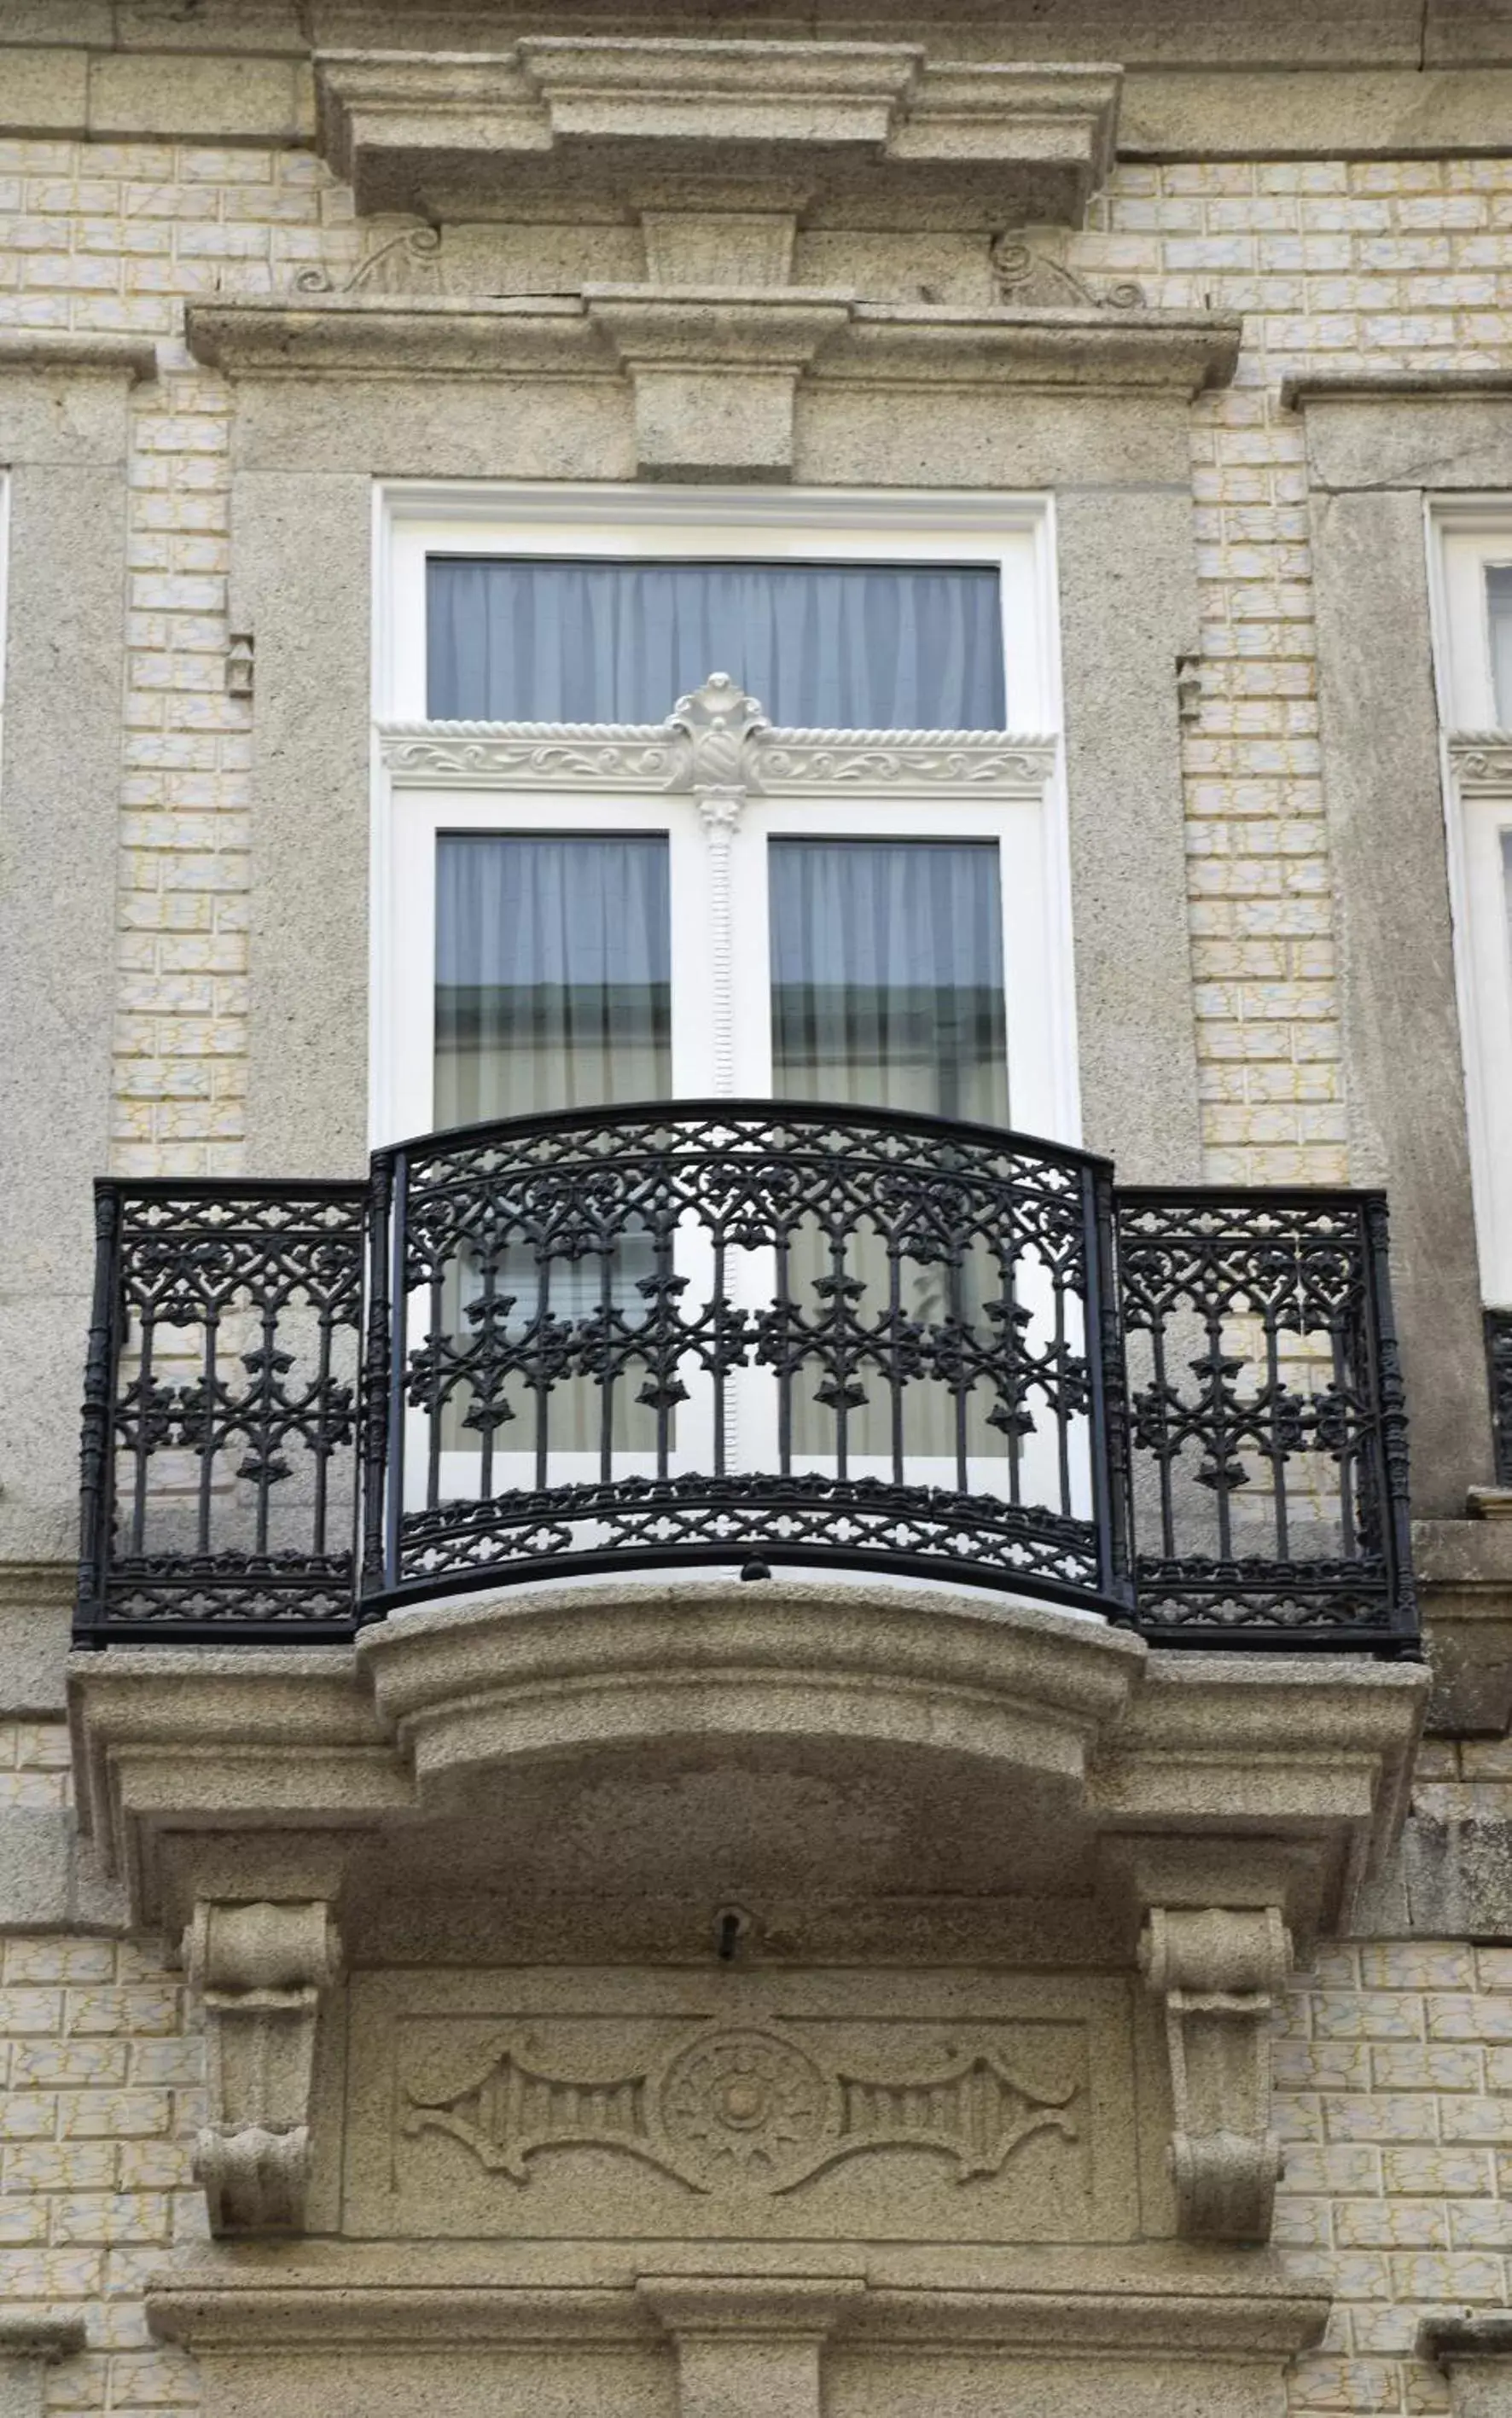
[(742, 2109), (550, 118), (1220, 1972), (1481, 763), (716, 742), (262, 1970)]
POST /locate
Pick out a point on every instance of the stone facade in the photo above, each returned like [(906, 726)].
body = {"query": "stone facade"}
[(150, 168)]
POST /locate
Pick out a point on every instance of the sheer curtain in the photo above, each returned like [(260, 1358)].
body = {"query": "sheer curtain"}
[(553, 973), (887, 975), (854, 646), (553, 990), (1499, 615), (887, 992)]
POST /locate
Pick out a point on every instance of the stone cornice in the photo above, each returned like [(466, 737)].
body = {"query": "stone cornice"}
[(879, 135), (1143, 2297), (51, 351), (1107, 350), (1389, 386)]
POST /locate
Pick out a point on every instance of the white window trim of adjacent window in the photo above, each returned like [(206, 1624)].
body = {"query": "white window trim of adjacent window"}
[(1466, 537), (430, 777)]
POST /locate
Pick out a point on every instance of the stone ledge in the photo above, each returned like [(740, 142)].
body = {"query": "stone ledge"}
[(1140, 2297), (47, 349), (1108, 350), (1270, 1779)]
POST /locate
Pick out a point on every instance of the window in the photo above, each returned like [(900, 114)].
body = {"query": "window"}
[(586, 939), (568, 917), (1471, 558)]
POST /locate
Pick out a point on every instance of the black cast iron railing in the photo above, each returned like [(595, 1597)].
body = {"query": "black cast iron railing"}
[(746, 1333), (1499, 1376)]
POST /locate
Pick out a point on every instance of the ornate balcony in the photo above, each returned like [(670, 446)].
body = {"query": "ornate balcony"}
[(753, 1334)]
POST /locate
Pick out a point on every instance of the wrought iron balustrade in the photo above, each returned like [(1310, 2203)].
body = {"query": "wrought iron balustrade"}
[(750, 1333), (1499, 1374)]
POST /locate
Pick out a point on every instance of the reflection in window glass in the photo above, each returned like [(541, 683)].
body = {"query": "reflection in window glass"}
[(553, 973), (887, 975), (1499, 617)]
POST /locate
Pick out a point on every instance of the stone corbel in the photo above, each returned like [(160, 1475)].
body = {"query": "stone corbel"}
[(715, 372), (261, 1970), (1220, 1970)]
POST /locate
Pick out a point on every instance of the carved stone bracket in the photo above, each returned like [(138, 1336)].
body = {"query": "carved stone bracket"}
[(1220, 1972), (262, 1970)]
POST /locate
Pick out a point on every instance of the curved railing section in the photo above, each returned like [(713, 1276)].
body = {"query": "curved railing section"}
[(753, 1334)]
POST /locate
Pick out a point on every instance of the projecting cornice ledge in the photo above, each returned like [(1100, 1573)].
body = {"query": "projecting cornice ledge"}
[(715, 372), (877, 133), (608, 329)]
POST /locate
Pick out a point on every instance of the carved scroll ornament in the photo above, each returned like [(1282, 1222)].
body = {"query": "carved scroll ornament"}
[(1220, 1972), (741, 2108), (261, 1970)]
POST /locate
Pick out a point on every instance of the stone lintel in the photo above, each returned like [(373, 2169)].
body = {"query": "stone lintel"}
[(762, 332), (882, 137)]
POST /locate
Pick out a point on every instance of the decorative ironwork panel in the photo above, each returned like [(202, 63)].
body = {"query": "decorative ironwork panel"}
[(750, 1333), (1499, 1370), (1266, 1428), (220, 1409), (746, 1333)]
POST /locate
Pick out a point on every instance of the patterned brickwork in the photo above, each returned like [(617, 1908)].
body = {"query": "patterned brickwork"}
[(102, 2095), (1394, 2097)]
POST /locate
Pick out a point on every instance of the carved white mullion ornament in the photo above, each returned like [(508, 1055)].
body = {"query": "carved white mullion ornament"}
[(718, 721), (717, 742)]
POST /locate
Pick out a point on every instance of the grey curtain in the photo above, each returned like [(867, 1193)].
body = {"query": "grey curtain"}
[(553, 973), (839, 645), (1499, 614), (887, 975)]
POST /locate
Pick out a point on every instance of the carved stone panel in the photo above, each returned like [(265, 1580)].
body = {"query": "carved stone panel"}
[(924, 2108)]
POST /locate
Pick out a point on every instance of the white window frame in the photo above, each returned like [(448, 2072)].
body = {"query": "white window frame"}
[(1014, 534), (1466, 536)]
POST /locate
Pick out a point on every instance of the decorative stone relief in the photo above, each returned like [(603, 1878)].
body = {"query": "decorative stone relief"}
[(1031, 272), (717, 742), (1481, 761), (741, 2108), (1220, 1972), (261, 1970)]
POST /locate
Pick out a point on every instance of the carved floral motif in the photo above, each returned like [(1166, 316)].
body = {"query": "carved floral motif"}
[(741, 2108)]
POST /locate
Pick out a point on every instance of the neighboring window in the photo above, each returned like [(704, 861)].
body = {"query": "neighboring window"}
[(1471, 565), (552, 948)]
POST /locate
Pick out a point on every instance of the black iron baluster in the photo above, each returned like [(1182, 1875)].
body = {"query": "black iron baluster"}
[(97, 1481), (1390, 1424), (376, 1364)]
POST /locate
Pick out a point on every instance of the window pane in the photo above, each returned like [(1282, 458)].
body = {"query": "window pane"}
[(851, 646), (1499, 615), (553, 973), (887, 975)]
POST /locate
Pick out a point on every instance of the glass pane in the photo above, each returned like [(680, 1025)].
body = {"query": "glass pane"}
[(887, 975), (1499, 615), (553, 973), (887, 992), (553, 990), (852, 646)]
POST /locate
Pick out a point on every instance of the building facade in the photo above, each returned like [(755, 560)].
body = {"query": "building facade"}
[(755, 1030)]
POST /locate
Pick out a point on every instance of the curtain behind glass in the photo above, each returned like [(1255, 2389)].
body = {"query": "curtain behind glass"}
[(1499, 614), (887, 975), (553, 990), (553, 973), (840, 645), (887, 992)]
